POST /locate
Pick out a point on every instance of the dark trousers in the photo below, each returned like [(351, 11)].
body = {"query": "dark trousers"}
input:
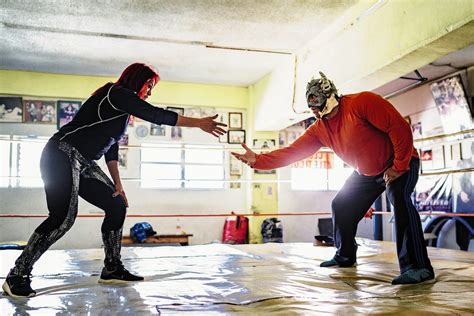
[(67, 175), (355, 198)]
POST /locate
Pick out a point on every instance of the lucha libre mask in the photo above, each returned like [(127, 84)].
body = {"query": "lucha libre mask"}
[(323, 90)]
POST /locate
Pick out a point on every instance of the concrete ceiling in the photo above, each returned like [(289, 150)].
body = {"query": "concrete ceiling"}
[(459, 60), (202, 41)]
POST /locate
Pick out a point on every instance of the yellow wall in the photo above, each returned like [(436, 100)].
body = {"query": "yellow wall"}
[(26, 83), (264, 195)]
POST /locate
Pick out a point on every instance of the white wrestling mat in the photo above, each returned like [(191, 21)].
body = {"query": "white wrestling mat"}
[(245, 279)]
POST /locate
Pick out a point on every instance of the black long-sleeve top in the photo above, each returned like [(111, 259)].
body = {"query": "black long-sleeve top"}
[(103, 119)]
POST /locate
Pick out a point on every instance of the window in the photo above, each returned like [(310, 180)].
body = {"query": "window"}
[(323, 171), (19, 161), (28, 154), (182, 166), (5, 155)]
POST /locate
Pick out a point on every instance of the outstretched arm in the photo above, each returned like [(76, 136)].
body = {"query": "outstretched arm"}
[(306, 145), (207, 124)]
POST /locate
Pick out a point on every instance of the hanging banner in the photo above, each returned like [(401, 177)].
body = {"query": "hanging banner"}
[(434, 193)]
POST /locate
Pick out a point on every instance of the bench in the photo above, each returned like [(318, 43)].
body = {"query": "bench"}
[(181, 239)]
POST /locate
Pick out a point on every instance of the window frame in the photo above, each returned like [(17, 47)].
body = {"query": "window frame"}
[(182, 163)]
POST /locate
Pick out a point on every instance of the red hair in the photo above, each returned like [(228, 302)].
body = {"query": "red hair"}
[(134, 77)]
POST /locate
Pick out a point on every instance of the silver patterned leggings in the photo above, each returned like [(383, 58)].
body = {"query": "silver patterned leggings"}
[(66, 175)]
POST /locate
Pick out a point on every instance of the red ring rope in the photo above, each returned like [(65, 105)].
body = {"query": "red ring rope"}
[(231, 214)]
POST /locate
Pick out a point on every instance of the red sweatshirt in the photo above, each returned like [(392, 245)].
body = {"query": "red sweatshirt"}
[(367, 133)]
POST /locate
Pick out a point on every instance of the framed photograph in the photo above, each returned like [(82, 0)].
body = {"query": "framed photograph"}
[(426, 157), (193, 112), (176, 133), (417, 130), (452, 104), (222, 117), (438, 157), (256, 171), (235, 120), (467, 149), (235, 167), (157, 130), (180, 111), (124, 140), (236, 137), (264, 144), (122, 158), (455, 152), (11, 110), (208, 111), (36, 111), (66, 111), (131, 120), (282, 139)]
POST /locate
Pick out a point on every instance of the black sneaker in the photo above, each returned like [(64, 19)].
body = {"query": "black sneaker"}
[(334, 263), (414, 276), (119, 275), (18, 286)]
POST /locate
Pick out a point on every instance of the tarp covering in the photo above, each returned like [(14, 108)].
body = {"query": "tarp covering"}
[(248, 279)]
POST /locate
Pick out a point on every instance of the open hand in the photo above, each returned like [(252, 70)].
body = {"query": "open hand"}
[(209, 125), (249, 157)]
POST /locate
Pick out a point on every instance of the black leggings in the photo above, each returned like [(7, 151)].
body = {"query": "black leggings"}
[(62, 189), (66, 175)]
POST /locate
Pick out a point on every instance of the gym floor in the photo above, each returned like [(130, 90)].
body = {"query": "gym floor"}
[(247, 279)]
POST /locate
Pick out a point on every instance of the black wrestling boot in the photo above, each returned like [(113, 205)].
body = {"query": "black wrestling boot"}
[(119, 275), (334, 263), (18, 286)]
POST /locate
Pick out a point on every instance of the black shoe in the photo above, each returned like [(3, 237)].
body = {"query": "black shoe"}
[(18, 286), (414, 276), (333, 263), (119, 275)]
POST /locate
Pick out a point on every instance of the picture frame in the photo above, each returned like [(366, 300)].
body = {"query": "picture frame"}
[(178, 110), (235, 120), (236, 136), (451, 102), (123, 140), (208, 111), (176, 133), (467, 149), (257, 171), (264, 144), (222, 117), (157, 130), (39, 112), (456, 152), (417, 130), (193, 112), (11, 110), (131, 121), (235, 166), (66, 110), (122, 158)]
